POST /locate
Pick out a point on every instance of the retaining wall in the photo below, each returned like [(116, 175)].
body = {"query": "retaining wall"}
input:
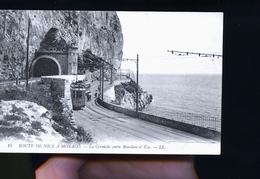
[(197, 130), (63, 83), (60, 84)]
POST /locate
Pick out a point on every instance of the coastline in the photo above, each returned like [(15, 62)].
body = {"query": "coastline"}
[(193, 118)]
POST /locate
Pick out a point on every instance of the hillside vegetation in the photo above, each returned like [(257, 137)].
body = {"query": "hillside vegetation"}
[(37, 114)]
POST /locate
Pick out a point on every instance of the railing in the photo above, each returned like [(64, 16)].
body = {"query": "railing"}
[(189, 118), (178, 120), (20, 82)]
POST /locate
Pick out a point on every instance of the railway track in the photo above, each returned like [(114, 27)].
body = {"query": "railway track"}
[(108, 126)]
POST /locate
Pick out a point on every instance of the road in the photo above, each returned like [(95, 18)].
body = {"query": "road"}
[(108, 126)]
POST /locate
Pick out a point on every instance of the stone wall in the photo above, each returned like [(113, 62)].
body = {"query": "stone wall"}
[(59, 84), (63, 81), (63, 84)]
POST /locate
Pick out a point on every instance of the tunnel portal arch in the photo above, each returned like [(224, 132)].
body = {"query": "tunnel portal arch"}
[(45, 65)]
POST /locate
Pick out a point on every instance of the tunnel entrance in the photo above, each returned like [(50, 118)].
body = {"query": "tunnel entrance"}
[(45, 67)]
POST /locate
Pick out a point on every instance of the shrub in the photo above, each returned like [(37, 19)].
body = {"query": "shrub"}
[(12, 118), (62, 126), (15, 118), (80, 130), (33, 132), (4, 123), (11, 92), (82, 135), (17, 110), (11, 131), (37, 126), (72, 134), (30, 106), (40, 94), (61, 120), (64, 131)]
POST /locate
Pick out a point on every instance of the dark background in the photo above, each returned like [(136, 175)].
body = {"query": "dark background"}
[(240, 110)]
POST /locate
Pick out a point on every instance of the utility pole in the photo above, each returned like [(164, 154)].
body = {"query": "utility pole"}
[(137, 75), (27, 55), (102, 72), (100, 80), (111, 77), (102, 89), (137, 100)]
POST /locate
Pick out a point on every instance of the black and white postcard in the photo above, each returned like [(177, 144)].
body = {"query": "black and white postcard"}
[(110, 82)]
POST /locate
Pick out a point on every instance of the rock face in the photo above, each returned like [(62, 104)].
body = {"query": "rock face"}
[(53, 42), (97, 31), (125, 94)]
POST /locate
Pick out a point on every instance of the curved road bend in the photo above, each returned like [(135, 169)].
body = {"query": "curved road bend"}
[(109, 126)]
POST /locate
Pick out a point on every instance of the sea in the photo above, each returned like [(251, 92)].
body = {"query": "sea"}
[(189, 93)]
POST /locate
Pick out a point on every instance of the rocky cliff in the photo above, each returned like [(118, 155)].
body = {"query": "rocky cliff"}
[(125, 95), (97, 31)]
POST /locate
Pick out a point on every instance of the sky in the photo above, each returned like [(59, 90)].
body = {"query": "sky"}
[(151, 34)]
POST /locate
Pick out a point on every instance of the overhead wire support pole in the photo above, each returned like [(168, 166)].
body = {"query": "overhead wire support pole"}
[(111, 72), (102, 72), (137, 71), (27, 55), (100, 80), (137, 83), (111, 75), (102, 89)]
